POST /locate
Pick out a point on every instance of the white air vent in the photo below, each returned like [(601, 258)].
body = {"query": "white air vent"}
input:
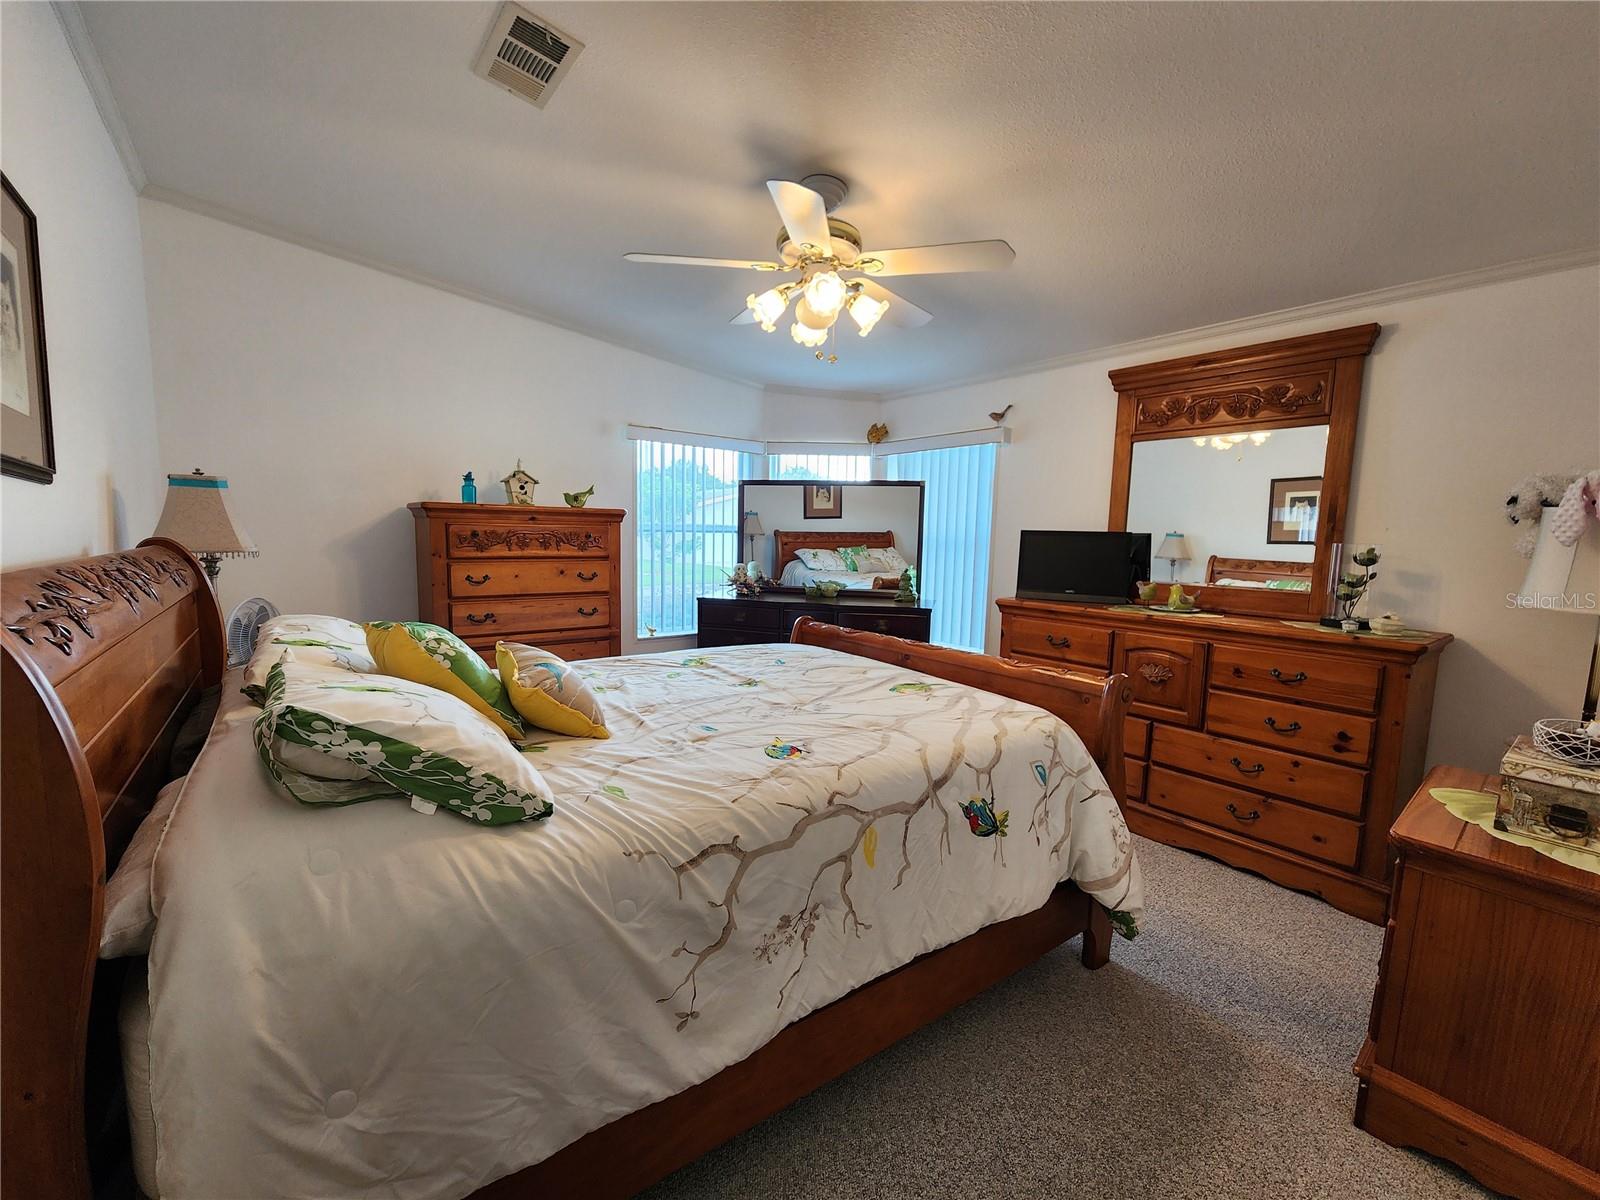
[(526, 55)]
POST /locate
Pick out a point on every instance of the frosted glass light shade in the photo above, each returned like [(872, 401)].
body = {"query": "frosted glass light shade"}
[(825, 293), (866, 312)]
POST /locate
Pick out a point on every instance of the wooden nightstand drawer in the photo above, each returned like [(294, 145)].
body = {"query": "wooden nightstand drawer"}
[(1261, 818), (503, 618), (1292, 727), (1167, 675), (526, 541), (1303, 779), (1295, 675), (521, 577), (1058, 641)]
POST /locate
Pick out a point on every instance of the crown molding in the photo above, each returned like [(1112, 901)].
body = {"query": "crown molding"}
[(229, 216), (1548, 264), (70, 16)]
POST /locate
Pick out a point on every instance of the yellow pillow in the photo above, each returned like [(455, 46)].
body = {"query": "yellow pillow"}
[(436, 657), (548, 691)]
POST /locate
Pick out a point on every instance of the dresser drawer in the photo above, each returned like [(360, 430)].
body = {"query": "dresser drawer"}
[(1135, 771), (476, 541), (1303, 779), (740, 615), (896, 624), (505, 618), (1058, 641), (1167, 675), (1291, 727), (1295, 675), (1136, 737), (571, 651), (522, 577), (1260, 818)]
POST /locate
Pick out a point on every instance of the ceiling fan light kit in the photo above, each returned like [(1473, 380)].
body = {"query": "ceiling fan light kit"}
[(820, 247)]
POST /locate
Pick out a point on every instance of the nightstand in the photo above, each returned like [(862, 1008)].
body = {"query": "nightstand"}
[(1484, 1043)]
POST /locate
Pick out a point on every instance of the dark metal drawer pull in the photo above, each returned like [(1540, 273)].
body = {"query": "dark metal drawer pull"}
[(1297, 677), (1291, 727), (1060, 643), (475, 619), (587, 612), (1244, 770), (588, 576), (883, 626), (1252, 815), (471, 582)]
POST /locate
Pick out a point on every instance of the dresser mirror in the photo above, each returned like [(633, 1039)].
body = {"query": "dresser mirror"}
[(859, 535), (1238, 465)]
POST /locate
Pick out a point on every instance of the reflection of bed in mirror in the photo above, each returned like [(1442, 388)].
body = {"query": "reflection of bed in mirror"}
[(794, 549), (1258, 573)]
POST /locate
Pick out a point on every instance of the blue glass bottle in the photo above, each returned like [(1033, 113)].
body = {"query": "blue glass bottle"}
[(469, 490)]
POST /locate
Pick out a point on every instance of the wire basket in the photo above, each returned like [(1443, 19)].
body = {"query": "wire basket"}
[(1568, 740)]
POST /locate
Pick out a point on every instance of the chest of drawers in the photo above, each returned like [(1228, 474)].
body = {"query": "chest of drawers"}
[(547, 576), (1275, 746)]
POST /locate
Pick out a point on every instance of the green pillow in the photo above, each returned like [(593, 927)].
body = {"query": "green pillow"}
[(329, 736), (427, 654), (852, 556)]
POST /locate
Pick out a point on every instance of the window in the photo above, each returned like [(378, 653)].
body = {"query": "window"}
[(851, 468), (688, 523), (957, 520)]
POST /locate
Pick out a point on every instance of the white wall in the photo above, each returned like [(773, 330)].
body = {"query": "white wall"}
[(332, 395), (865, 508), (1218, 499), (1466, 392), (108, 487)]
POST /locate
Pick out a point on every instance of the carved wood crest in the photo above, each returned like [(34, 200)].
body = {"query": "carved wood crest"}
[(526, 539), (1240, 404), (64, 603), (1156, 673)]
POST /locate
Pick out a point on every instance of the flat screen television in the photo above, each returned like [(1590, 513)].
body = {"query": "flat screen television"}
[(1081, 565)]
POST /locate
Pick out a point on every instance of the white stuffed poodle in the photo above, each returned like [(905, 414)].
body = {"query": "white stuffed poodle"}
[(1527, 502)]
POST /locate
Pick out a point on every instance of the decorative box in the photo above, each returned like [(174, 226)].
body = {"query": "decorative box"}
[(1548, 799)]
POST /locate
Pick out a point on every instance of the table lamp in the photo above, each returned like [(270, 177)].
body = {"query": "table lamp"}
[(1175, 549), (752, 530), (199, 517), (1566, 579)]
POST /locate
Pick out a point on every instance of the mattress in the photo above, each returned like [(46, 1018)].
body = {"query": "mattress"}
[(369, 1001), (797, 574)]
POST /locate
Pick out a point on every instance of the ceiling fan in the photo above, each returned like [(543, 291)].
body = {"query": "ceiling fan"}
[(833, 273)]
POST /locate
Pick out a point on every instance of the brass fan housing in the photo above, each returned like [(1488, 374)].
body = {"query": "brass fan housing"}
[(846, 240)]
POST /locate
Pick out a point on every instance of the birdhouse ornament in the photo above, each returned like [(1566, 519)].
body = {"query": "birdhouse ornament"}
[(519, 486)]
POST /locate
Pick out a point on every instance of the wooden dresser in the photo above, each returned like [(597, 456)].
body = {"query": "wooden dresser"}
[(1277, 746), (547, 576), (743, 621), (1484, 1045)]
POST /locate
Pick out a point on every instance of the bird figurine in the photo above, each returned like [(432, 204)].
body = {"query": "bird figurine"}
[(578, 499), (997, 417)]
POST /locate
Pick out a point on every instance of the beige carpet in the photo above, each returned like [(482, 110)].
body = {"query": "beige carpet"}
[(1210, 1059)]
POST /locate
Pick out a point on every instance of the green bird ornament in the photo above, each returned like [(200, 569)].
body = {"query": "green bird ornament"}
[(578, 499)]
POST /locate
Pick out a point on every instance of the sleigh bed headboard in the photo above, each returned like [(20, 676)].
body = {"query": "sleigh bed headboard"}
[(102, 659)]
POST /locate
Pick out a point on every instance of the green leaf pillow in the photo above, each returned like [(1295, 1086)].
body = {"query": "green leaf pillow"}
[(852, 556), (337, 737), (427, 654)]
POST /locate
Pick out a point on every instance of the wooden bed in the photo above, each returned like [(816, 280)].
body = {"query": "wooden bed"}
[(1256, 569), (102, 659), (786, 543)]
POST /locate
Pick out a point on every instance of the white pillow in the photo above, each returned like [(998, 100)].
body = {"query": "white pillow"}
[(309, 639), (885, 559), (329, 736), (820, 560), (129, 919)]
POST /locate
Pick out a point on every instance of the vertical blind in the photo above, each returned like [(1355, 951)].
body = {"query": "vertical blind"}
[(957, 523), (852, 468), (686, 513)]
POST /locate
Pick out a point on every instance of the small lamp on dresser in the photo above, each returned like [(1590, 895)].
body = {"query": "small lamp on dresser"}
[(1175, 549), (752, 530), (199, 517)]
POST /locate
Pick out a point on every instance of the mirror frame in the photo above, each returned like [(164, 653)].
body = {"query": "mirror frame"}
[(1310, 380), (922, 505)]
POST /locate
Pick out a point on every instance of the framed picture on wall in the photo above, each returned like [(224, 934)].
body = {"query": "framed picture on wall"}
[(27, 444), (1292, 510), (823, 500)]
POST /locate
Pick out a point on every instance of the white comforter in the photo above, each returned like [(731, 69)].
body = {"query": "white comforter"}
[(797, 574), (367, 1001)]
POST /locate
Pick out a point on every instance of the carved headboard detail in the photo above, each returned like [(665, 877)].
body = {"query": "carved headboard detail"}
[(100, 660), (786, 541)]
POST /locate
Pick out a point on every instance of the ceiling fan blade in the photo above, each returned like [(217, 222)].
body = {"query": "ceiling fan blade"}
[(939, 260), (747, 317), (901, 311), (685, 260), (804, 213)]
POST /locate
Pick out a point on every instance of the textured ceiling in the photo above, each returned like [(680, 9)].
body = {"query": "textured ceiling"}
[(1156, 167)]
